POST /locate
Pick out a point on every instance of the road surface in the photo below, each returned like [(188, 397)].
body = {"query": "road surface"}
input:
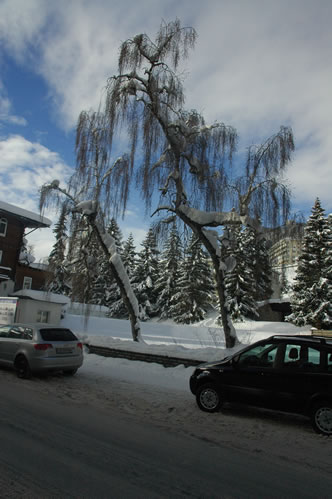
[(56, 448)]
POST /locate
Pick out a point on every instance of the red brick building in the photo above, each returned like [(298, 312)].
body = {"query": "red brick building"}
[(14, 222)]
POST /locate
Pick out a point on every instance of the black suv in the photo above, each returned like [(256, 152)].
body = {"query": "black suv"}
[(285, 373)]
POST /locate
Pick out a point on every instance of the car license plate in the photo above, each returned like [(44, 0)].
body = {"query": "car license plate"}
[(64, 350)]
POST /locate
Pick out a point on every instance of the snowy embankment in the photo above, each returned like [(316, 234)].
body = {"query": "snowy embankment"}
[(203, 341)]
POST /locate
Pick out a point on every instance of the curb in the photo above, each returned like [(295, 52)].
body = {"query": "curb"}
[(143, 357)]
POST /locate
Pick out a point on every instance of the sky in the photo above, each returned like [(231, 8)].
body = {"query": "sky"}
[(256, 66)]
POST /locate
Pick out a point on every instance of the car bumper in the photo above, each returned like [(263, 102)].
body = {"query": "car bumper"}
[(55, 364)]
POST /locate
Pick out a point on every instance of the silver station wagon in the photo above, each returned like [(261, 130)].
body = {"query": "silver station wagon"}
[(30, 348)]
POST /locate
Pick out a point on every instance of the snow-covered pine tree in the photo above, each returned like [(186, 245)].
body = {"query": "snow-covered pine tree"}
[(58, 265), (114, 230), (146, 275), (86, 257), (195, 290), (312, 290), (113, 298), (169, 268), (240, 283), (255, 249), (102, 281), (129, 255)]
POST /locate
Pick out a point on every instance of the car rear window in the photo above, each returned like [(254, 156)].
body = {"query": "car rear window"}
[(57, 334)]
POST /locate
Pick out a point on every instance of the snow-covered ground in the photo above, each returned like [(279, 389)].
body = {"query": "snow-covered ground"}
[(161, 395), (202, 341)]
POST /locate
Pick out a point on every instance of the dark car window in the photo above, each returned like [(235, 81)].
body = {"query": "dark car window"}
[(329, 361), (16, 332), (292, 355), (313, 356), (260, 355), (57, 334), (28, 333), (4, 330), (302, 357)]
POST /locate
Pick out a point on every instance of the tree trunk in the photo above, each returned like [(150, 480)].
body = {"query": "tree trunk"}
[(229, 331), (134, 320)]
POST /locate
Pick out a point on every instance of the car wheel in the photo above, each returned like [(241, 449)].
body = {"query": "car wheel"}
[(70, 372), (208, 398), (22, 367), (321, 418)]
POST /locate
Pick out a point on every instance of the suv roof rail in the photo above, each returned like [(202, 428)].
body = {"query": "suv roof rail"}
[(306, 337)]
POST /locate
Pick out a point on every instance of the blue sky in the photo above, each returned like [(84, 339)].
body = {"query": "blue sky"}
[(257, 65)]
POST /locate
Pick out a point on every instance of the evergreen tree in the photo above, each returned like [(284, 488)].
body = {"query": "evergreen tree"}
[(105, 290), (115, 232), (86, 259), (57, 259), (129, 255), (170, 265), (312, 298), (195, 287), (240, 283), (102, 282), (146, 275), (262, 270)]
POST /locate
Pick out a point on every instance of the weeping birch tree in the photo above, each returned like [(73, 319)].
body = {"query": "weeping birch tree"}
[(174, 151), (98, 189)]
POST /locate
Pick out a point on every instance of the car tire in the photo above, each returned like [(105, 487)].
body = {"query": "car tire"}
[(22, 367), (70, 372), (208, 398), (321, 418)]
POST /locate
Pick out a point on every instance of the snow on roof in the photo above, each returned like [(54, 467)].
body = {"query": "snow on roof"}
[(31, 219), (41, 296)]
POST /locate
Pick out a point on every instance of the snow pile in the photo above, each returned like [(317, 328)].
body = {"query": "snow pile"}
[(203, 341)]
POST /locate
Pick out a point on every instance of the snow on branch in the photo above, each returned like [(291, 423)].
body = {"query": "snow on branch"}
[(213, 218), (87, 207)]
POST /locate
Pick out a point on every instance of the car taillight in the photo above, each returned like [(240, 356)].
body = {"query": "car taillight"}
[(42, 346), (80, 345)]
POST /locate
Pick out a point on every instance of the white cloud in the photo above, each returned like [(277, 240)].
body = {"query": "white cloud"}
[(257, 65), (24, 167)]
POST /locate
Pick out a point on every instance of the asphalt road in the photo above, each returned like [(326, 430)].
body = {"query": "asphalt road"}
[(52, 449)]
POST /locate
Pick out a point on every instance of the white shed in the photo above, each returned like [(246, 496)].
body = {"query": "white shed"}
[(39, 306)]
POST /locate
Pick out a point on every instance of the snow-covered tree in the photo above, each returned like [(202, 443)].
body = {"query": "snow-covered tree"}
[(185, 159), (114, 301), (94, 191), (170, 264), (240, 284), (146, 275), (84, 266), (26, 256), (129, 255), (114, 230), (255, 245), (58, 265), (195, 286), (312, 290)]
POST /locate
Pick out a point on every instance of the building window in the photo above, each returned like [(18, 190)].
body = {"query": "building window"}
[(43, 316), (3, 226), (27, 282)]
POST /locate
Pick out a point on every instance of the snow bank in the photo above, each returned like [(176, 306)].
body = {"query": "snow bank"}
[(203, 341)]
